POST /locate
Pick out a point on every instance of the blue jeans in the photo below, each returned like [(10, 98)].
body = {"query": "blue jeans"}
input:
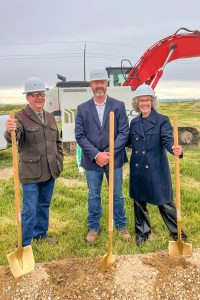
[(94, 181), (35, 212)]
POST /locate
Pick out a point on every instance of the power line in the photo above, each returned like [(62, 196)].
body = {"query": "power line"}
[(62, 54), (78, 55), (70, 42)]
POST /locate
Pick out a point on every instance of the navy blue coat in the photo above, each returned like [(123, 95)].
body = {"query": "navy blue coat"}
[(150, 179), (94, 138)]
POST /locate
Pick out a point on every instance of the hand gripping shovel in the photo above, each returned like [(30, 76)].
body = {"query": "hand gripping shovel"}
[(179, 247), (21, 261), (108, 258)]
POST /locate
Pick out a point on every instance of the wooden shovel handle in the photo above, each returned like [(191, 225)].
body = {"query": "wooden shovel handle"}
[(177, 180), (16, 184), (111, 170), (177, 169)]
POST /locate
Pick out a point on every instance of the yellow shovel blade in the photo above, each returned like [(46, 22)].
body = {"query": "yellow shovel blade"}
[(180, 249), (21, 265), (107, 261)]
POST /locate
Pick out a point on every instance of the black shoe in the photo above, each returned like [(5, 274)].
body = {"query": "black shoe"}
[(49, 240), (140, 240), (184, 238)]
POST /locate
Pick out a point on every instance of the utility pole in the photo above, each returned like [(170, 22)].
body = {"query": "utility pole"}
[(84, 68)]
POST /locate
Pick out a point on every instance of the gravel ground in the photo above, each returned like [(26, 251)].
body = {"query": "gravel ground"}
[(149, 276)]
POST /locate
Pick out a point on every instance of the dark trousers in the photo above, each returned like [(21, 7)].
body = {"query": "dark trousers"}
[(142, 223)]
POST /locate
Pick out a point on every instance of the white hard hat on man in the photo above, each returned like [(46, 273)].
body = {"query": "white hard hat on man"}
[(98, 74), (34, 84)]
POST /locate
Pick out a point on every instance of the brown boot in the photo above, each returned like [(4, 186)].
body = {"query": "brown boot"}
[(92, 236), (125, 235)]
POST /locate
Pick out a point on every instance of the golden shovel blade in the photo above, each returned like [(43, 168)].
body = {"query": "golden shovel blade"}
[(21, 264), (107, 261), (180, 248)]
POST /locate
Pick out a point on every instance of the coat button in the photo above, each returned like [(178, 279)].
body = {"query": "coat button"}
[(143, 152), (136, 152), (136, 138), (136, 165), (146, 166)]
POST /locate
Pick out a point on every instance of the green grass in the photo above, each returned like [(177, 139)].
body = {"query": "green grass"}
[(6, 158), (68, 214)]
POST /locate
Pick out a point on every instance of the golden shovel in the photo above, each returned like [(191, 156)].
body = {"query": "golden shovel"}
[(179, 247), (108, 258), (21, 261)]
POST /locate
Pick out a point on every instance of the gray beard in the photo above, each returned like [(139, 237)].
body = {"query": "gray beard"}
[(99, 94)]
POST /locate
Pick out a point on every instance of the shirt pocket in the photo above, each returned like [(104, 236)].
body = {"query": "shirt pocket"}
[(33, 135)]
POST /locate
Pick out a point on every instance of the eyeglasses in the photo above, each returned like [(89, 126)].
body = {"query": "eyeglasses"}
[(144, 101), (37, 95)]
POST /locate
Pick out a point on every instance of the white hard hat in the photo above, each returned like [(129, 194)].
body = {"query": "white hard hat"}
[(34, 84), (144, 90), (99, 74)]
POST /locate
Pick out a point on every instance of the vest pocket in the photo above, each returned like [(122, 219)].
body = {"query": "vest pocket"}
[(30, 167)]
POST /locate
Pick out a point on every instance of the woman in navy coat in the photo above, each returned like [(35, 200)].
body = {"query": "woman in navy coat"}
[(151, 135)]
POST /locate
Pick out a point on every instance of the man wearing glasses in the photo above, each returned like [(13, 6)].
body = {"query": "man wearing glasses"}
[(40, 163)]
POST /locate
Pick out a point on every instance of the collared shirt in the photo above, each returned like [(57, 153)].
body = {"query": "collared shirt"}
[(100, 110)]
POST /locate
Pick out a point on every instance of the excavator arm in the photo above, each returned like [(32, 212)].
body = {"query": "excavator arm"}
[(150, 66)]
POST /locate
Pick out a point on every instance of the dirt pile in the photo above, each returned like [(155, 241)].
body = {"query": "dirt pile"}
[(149, 276)]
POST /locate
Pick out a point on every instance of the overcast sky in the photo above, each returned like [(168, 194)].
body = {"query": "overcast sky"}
[(45, 37)]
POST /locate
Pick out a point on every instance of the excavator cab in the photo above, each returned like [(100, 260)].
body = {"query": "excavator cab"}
[(117, 75)]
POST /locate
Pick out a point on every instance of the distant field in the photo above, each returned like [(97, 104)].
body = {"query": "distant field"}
[(68, 216), (188, 113), (5, 109)]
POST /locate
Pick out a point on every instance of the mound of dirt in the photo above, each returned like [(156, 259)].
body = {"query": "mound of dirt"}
[(149, 276)]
